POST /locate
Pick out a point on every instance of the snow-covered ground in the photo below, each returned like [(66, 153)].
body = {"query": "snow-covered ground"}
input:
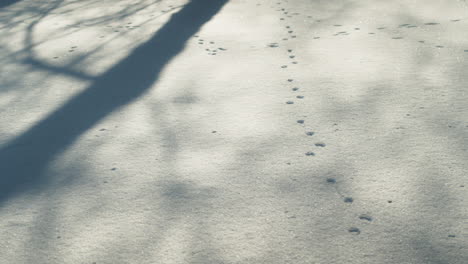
[(234, 131)]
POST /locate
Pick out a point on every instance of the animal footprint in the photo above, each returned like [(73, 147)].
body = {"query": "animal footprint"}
[(212, 50), (354, 230), (366, 217), (331, 180)]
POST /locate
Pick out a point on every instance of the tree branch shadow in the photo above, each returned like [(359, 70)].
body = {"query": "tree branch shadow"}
[(23, 160)]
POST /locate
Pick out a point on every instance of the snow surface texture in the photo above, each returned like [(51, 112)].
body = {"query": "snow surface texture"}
[(233, 131)]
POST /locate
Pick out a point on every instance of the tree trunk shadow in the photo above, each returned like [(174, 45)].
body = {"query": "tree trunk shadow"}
[(24, 159), (5, 3)]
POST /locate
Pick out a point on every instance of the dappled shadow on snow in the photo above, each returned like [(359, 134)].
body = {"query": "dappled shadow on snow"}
[(25, 20), (274, 211), (23, 160)]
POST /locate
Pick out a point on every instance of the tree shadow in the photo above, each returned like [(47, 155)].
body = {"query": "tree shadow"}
[(38, 12), (6, 3), (23, 160)]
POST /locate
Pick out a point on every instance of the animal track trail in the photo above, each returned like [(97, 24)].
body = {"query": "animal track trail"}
[(383, 28), (400, 36), (347, 199), (397, 33), (406, 26), (291, 56), (314, 147), (212, 48)]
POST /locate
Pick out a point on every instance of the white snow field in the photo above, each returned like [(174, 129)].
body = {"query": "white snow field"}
[(233, 131)]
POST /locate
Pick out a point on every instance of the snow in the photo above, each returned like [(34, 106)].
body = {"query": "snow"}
[(160, 131)]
